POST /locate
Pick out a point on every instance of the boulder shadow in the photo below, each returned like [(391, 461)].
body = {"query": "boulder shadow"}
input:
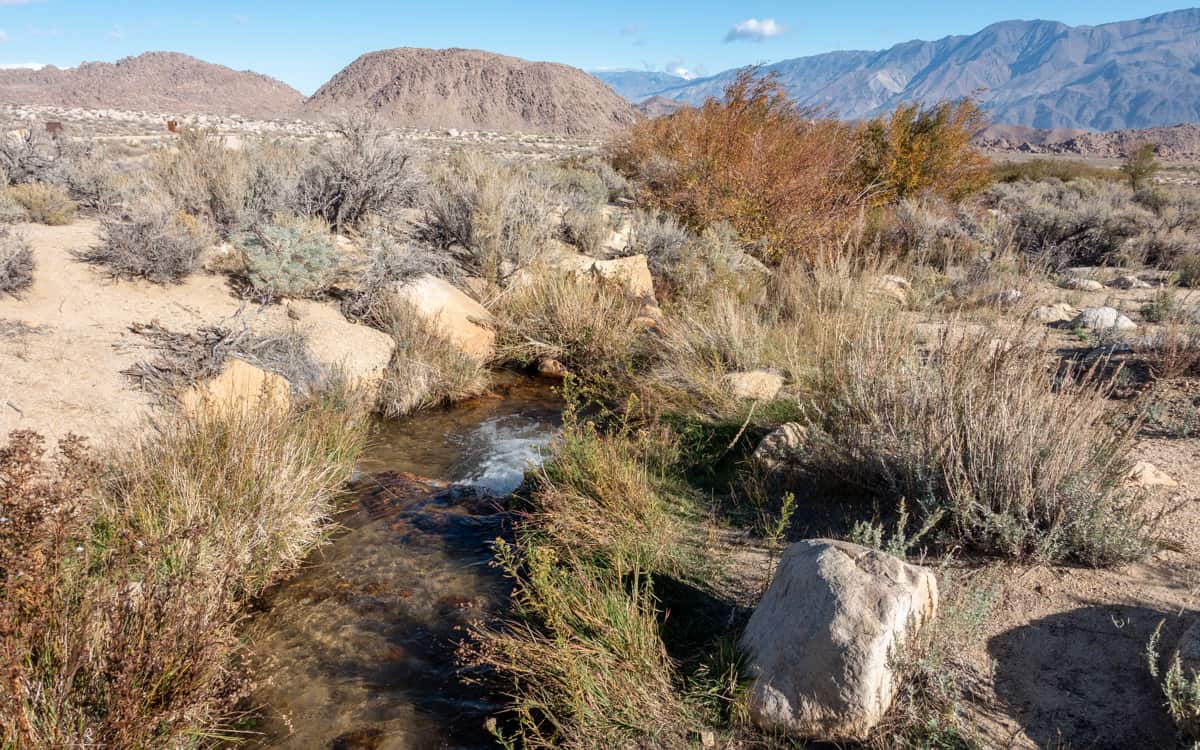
[(1080, 678)]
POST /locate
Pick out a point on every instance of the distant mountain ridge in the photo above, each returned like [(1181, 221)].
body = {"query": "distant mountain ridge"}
[(152, 82), (473, 90), (1043, 74)]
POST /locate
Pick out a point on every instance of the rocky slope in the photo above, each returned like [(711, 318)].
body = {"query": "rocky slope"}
[(152, 82), (1130, 74), (474, 90), (1174, 143)]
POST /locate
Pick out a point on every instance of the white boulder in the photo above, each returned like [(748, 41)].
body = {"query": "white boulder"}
[(820, 644), (1103, 319), (463, 321)]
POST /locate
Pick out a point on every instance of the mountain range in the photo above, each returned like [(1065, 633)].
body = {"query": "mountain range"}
[(1042, 74)]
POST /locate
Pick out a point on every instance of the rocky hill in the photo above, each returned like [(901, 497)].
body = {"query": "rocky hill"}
[(1173, 143), (152, 82), (1044, 74), (473, 90)]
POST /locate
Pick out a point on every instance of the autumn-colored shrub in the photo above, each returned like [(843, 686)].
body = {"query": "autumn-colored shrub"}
[(781, 176), (924, 150)]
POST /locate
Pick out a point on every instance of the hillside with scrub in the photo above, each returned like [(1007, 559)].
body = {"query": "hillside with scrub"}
[(835, 434)]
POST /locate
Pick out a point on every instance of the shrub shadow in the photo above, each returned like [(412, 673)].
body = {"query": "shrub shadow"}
[(1080, 678)]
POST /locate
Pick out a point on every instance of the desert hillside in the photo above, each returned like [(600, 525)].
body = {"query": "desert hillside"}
[(471, 89), (155, 82)]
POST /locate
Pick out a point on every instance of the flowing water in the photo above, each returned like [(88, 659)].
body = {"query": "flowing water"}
[(357, 651)]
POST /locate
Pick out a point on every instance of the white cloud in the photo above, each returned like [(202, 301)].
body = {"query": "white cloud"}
[(677, 68), (754, 30), (3, 36)]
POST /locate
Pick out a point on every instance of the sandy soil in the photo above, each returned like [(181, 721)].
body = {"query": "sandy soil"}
[(60, 372)]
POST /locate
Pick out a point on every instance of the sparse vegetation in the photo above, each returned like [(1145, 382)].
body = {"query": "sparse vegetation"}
[(1064, 170), (1140, 165), (44, 203), (16, 262), (1180, 687), (156, 243)]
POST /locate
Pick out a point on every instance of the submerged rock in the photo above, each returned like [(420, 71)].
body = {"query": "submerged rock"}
[(820, 644)]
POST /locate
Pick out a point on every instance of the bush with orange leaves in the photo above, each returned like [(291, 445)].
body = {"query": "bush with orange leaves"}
[(920, 151), (787, 179), (783, 178)]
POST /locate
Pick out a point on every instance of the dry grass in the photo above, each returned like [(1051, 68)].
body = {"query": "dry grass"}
[(426, 369), (585, 323), (44, 203), (121, 595)]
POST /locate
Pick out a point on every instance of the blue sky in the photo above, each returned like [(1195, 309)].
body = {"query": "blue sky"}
[(304, 43)]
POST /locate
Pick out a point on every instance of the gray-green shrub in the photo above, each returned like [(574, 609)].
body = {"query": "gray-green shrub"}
[(289, 256)]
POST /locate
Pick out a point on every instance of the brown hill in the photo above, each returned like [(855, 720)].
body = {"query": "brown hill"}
[(1173, 142), (152, 82), (658, 106), (473, 90)]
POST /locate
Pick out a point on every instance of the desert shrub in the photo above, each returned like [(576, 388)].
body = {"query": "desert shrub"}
[(918, 151), (1187, 270), (44, 203), (782, 178), (1164, 307), (686, 263), (16, 262), (493, 217), (931, 232), (615, 184), (204, 178), (426, 369), (570, 184), (1084, 222), (183, 359), (364, 174), (117, 627), (289, 256), (581, 322), (390, 262), (271, 176), (1180, 687), (1139, 165), (1012, 458), (1064, 170), (938, 683), (33, 156), (157, 243), (1171, 351), (11, 212), (586, 227)]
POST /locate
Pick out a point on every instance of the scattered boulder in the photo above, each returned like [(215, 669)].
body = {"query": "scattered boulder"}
[(819, 646), (240, 385), (778, 449), (552, 368), (462, 320), (631, 272), (358, 352), (1081, 284), (1146, 474), (1129, 281), (759, 385), (1103, 319), (1059, 312)]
